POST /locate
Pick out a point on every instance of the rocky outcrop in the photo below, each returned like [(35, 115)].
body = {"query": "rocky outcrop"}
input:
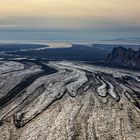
[(124, 57)]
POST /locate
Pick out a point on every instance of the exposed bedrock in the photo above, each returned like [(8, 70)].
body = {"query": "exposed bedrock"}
[(124, 57), (79, 102)]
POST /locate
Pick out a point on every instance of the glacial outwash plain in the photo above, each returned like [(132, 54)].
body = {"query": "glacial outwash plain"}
[(67, 100)]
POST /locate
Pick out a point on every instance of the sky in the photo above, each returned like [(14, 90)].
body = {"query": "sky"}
[(110, 15)]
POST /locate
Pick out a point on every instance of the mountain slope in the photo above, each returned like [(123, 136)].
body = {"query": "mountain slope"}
[(124, 57)]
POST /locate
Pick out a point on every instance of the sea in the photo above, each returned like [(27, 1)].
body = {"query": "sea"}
[(72, 36)]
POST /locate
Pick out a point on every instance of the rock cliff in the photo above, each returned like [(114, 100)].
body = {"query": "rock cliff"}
[(124, 57)]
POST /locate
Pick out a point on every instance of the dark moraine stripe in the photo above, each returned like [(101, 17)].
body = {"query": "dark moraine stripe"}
[(26, 82)]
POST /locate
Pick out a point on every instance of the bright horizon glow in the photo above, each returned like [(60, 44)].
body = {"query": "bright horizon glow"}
[(70, 14)]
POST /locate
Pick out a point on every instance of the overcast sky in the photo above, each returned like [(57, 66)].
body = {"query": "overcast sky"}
[(70, 14)]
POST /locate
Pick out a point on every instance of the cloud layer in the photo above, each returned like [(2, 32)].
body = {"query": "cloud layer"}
[(95, 14)]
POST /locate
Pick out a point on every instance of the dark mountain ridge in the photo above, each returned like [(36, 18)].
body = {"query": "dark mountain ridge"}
[(124, 57)]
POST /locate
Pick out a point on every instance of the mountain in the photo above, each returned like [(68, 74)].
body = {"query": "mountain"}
[(124, 57)]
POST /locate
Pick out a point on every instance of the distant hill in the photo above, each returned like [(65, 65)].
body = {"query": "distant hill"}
[(124, 57)]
